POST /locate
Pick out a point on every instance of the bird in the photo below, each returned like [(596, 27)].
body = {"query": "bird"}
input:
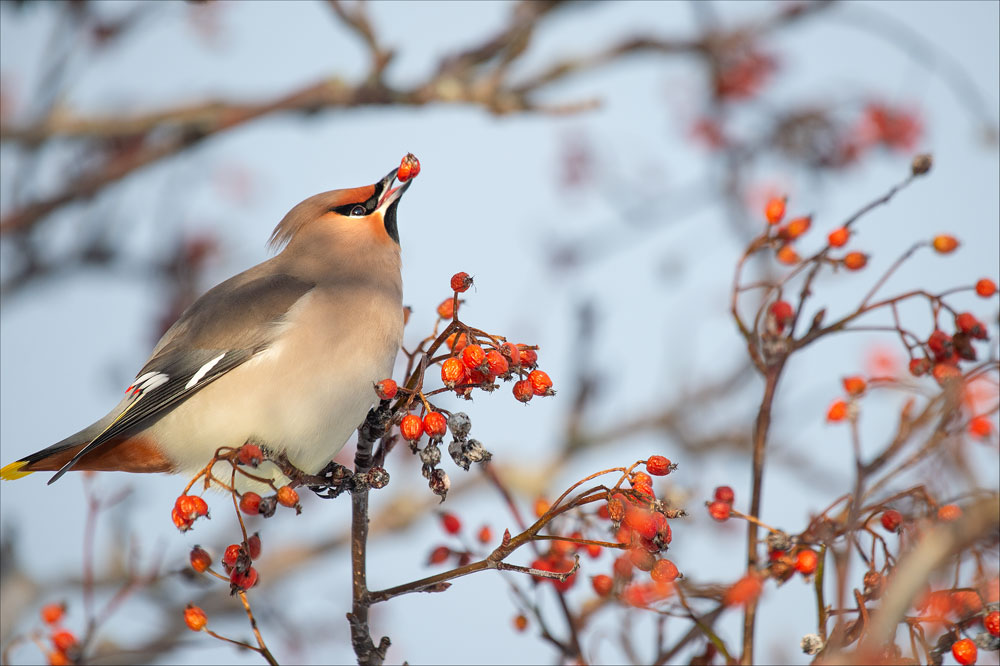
[(283, 355)]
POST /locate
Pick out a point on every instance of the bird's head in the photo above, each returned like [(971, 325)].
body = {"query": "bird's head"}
[(366, 213)]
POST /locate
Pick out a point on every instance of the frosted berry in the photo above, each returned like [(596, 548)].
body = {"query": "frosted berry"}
[(452, 372), (540, 383), (435, 425), (838, 237), (195, 618), (523, 390), (386, 389), (945, 243), (460, 282), (965, 651), (855, 261), (659, 466), (986, 287), (411, 427), (774, 210)]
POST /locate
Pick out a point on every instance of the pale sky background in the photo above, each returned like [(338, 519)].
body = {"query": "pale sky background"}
[(68, 347)]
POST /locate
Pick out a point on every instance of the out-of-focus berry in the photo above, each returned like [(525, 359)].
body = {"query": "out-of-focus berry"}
[(838, 237), (945, 243)]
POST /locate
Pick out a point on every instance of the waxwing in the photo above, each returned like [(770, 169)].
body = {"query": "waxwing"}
[(283, 355)]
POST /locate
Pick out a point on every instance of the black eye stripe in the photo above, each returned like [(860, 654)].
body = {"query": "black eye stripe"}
[(369, 205)]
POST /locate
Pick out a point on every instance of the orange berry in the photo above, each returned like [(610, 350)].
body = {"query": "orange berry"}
[(386, 389), (460, 282), (58, 658), (664, 571), (659, 466), (855, 261), (435, 425), (446, 310), (837, 412), (724, 494), (200, 559), (986, 287), (411, 427), (593, 550), (541, 507), (968, 324), (992, 623), (63, 641), (485, 534), (719, 510), (195, 618), (451, 523), (439, 555), (243, 580), (774, 210), (788, 256), (250, 455), (540, 383), (287, 496), (409, 167), (949, 513), (250, 503), (520, 622), (529, 357), (965, 651), (452, 372), (191, 507), (602, 584), (891, 520), (641, 521), (743, 591), (945, 373), (854, 385), (980, 427), (944, 243), (806, 561), (474, 357), (52, 613), (622, 567), (512, 353), (457, 341), (523, 390), (180, 521), (838, 237), (641, 559), (497, 363), (797, 227)]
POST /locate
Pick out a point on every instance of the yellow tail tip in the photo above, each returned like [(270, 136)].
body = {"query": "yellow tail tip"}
[(13, 471)]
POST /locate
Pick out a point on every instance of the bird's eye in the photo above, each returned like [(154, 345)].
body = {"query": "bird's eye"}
[(358, 210)]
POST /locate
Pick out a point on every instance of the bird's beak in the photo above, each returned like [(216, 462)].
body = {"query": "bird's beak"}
[(391, 194)]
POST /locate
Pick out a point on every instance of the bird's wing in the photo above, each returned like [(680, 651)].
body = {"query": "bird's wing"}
[(220, 331)]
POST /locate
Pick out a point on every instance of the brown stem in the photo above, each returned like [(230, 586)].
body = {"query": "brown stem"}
[(761, 427)]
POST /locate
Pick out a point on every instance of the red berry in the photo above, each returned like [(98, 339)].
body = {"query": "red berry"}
[(944, 243), (512, 353), (497, 363), (523, 390), (200, 559), (474, 357), (743, 591), (782, 314), (641, 559), (664, 571), (64, 641), (602, 584), (52, 613), (806, 561), (411, 427), (641, 521), (540, 383), (250, 455), (965, 651), (838, 411), (719, 510), (986, 287), (891, 520), (452, 372), (250, 503), (460, 282), (439, 555), (980, 427), (409, 167), (949, 513), (855, 261), (838, 237), (529, 357), (253, 546), (243, 580), (967, 323), (386, 389), (854, 385), (435, 425), (919, 366), (195, 618), (992, 623), (287, 496), (658, 466), (774, 210), (622, 567), (725, 494), (231, 555), (191, 507), (451, 523)]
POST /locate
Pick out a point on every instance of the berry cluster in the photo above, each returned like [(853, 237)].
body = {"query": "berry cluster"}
[(66, 648)]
